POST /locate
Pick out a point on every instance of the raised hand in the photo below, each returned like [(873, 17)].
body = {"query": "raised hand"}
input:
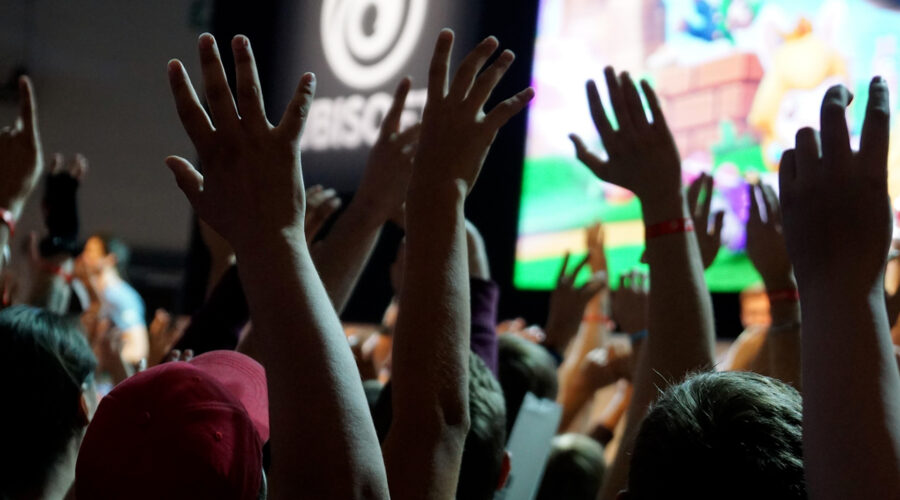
[(595, 239), (252, 187), (765, 240), (567, 303), (321, 204), (642, 156), (389, 166), (164, 333), (709, 240), (456, 132), (21, 158), (631, 302)]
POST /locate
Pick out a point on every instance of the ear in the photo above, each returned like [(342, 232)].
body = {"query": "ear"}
[(505, 467), (623, 495)]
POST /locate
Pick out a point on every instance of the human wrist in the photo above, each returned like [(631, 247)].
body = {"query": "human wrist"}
[(657, 210)]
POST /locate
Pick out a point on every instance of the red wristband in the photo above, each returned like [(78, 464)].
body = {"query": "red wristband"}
[(787, 295), (7, 218), (685, 225)]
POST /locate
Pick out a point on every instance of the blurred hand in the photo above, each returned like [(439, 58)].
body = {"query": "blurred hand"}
[(709, 240), (567, 303), (389, 166), (837, 215), (642, 156), (765, 240), (606, 365), (21, 157), (76, 167), (595, 238), (631, 302), (321, 204), (252, 187), (163, 334), (456, 133), (177, 355)]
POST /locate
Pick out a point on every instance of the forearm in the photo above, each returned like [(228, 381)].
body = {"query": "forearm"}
[(308, 362), (431, 347), (783, 343), (851, 395), (342, 255)]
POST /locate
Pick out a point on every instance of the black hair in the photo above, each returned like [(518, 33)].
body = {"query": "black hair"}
[(524, 367), (485, 444), (45, 360), (575, 469), (727, 433)]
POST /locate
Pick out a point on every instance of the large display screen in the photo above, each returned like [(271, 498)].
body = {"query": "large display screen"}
[(737, 79)]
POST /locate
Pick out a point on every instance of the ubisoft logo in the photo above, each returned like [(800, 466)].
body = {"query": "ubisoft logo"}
[(363, 58)]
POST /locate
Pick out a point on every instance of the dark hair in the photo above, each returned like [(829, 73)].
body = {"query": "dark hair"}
[(116, 246), (523, 367), (734, 432), (485, 443), (44, 359), (575, 469)]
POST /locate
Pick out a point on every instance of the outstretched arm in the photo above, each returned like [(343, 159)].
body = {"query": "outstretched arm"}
[(424, 447), (252, 194), (341, 256), (644, 159), (21, 162), (837, 223)]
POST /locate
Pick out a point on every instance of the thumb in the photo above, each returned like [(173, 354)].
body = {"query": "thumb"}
[(188, 178)]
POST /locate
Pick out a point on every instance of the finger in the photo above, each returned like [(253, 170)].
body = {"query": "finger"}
[(718, 224), (562, 270), (193, 118), (174, 355), (249, 90), (808, 152), (56, 164), (755, 218), (409, 136), (28, 111), (218, 95), (188, 355), (312, 190), (833, 117), (617, 98), (78, 167), (773, 212), (391, 122), (635, 106), (693, 194), (297, 112), (489, 79), (597, 282), (876, 128), (787, 171), (598, 115), (508, 109), (659, 119), (438, 71), (471, 65), (622, 284), (706, 206), (598, 166), (187, 177)]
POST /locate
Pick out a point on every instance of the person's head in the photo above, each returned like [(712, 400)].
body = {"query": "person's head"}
[(485, 463), (734, 434), (104, 251), (575, 469), (49, 398), (523, 367), (188, 429)]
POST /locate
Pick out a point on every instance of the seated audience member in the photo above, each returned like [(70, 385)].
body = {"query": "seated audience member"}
[(485, 463), (49, 400), (741, 431), (102, 264), (191, 429), (574, 469), (524, 367)]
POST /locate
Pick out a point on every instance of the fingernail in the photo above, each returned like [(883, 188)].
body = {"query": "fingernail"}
[(878, 79)]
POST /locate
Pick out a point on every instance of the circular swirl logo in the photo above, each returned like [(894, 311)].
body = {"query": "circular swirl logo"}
[(366, 42)]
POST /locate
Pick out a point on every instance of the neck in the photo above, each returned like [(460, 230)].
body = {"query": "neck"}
[(62, 478)]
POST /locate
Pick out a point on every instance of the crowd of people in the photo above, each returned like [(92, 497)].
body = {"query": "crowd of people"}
[(262, 393)]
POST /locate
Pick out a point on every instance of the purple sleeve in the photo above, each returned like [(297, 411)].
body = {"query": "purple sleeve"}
[(218, 323), (484, 298)]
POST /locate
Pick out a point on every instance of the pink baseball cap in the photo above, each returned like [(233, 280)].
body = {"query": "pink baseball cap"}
[(179, 430)]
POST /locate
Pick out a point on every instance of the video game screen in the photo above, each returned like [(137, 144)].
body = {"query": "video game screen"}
[(737, 79)]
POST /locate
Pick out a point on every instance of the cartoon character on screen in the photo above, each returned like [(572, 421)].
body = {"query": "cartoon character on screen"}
[(715, 20), (799, 72)]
